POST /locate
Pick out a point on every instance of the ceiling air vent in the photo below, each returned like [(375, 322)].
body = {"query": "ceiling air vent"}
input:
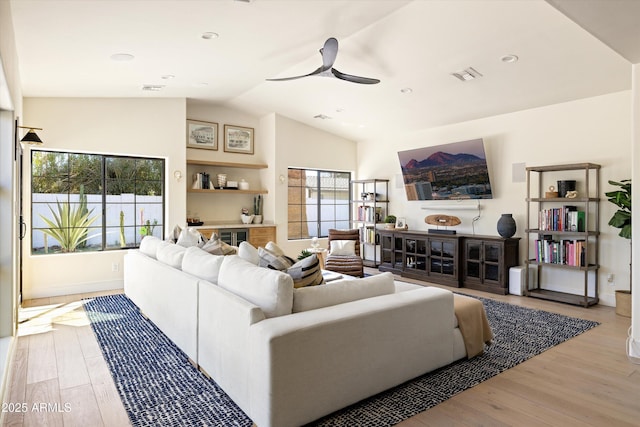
[(466, 74), (153, 88), (321, 117)]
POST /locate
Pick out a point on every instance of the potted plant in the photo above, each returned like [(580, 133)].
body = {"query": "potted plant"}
[(390, 221), (622, 219)]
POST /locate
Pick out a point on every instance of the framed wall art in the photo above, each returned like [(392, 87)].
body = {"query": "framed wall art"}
[(238, 139), (202, 135)]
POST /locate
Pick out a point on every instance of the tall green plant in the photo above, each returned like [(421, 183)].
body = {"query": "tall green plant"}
[(83, 210), (69, 226), (622, 199)]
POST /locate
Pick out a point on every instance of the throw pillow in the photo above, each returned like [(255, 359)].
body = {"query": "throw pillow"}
[(306, 272), (216, 246), (343, 247), (275, 262), (191, 237), (247, 252), (175, 233), (274, 249)]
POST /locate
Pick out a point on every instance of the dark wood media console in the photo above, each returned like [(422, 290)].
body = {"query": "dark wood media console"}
[(457, 260)]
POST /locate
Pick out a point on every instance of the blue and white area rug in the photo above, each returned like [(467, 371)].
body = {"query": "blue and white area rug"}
[(159, 387)]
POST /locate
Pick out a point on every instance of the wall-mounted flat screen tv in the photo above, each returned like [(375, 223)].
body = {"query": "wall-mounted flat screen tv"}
[(449, 171)]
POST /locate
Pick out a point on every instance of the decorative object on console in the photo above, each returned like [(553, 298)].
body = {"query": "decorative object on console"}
[(238, 139), (390, 221), (566, 186), (202, 135), (401, 223), (506, 225), (444, 221), (446, 172)]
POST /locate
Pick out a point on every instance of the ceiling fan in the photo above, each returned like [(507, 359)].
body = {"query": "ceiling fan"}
[(329, 52)]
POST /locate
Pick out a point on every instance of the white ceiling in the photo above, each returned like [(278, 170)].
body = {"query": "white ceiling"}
[(64, 49)]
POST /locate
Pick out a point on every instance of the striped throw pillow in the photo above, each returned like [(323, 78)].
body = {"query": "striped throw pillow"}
[(306, 272)]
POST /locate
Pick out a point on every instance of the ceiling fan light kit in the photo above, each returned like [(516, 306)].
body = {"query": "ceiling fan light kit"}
[(329, 52)]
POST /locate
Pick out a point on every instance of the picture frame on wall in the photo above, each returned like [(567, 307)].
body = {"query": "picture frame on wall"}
[(238, 139), (203, 135)]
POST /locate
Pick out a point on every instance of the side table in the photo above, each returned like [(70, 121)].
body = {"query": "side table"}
[(321, 253)]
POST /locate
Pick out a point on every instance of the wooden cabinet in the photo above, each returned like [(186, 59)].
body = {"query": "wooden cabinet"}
[(477, 262), (260, 236), (555, 240), (421, 255), (487, 261)]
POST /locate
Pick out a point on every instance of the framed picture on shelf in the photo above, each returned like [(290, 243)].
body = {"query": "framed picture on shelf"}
[(202, 135), (238, 139), (400, 223)]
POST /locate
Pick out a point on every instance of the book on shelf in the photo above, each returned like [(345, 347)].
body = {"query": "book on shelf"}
[(565, 251), (566, 218), (369, 235), (369, 213)]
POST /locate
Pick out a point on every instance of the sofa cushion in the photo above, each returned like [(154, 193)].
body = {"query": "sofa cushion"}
[(343, 247), (274, 261), (216, 246), (171, 254), (248, 252), (149, 246), (271, 290), (306, 272), (202, 264), (341, 291)]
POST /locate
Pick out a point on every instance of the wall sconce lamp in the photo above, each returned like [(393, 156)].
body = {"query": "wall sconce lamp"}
[(31, 137)]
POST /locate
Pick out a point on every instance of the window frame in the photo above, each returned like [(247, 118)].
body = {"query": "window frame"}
[(102, 210), (319, 206)]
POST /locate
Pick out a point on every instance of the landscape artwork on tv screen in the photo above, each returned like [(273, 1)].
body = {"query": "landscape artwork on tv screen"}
[(445, 172)]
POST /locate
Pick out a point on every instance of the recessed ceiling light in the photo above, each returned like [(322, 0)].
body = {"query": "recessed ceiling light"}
[(210, 35), (167, 77), (509, 58), (406, 90), (466, 74), (153, 88), (122, 57)]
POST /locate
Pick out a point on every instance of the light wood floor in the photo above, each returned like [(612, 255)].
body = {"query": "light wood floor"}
[(586, 381)]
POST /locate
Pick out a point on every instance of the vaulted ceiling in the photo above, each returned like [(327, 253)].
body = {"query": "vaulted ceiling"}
[(65, 49)]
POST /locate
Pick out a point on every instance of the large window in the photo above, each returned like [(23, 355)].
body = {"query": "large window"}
[(318, 200), (91, 202)]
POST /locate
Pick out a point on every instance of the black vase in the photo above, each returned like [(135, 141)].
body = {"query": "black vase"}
[(506, 225)]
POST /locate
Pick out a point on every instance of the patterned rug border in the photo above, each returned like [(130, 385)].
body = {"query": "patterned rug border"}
[(159, 386)]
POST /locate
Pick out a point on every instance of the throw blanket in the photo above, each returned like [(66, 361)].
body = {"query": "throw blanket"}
[(473, 324)]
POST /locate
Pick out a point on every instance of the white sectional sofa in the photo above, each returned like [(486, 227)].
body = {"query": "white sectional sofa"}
[(289, 356)]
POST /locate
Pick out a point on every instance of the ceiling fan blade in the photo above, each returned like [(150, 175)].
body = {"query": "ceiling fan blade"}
[(313, 73), (329, 53), (354, 79)]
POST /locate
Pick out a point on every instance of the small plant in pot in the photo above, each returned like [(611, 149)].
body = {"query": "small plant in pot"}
[(622, 219), (390, 221)]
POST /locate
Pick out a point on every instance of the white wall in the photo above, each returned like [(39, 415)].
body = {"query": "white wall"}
[(299, 145), (145, 127), (596, 130)]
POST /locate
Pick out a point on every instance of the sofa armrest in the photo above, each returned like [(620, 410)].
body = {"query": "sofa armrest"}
[(310, 364)]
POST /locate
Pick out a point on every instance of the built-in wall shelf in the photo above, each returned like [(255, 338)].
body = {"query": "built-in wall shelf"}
[(223, 191), (227, 164)]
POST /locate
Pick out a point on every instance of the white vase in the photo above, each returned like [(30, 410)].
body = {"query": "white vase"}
[(257, 219)]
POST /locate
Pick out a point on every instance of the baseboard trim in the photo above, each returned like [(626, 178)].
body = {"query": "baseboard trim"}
[(78, 288)]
